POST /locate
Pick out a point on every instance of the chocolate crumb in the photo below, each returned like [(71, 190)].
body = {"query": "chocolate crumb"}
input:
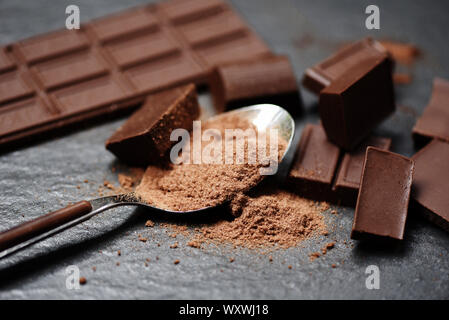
[(290, 267), (194, 244), (143, 239), (117, 264), (83, 280), (94, 268), (270, 258), (149, 224), (314, 255), (174, 245), (176, 261), (333, 265), (231, 260), (119, 253)]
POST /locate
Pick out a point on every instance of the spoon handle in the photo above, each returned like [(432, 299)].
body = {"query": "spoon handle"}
[(45, 223)]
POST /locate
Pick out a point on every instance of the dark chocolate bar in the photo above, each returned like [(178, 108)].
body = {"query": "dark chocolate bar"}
[(356, 102), (323, 74), (384, 194), (434, 122), (347, 181), (145, 137), (431, 182), (314, 166), (265, 80), (113, 63), (319, 173)]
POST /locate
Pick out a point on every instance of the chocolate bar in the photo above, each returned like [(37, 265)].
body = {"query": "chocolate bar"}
[(430, 185), (434, 122), (313, 169), (384, 194), (347, 181), (323, 74), (145, 137), (265, 80), (322, 171), (113, 63), (356, 102)]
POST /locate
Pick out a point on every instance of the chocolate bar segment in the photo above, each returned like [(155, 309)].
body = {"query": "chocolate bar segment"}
[(356, 102), (265, 80), (145, 137), (431, 182), (113, 63), (323, 74), (434, 122), (347, 180), (384, 194), (314, 166)]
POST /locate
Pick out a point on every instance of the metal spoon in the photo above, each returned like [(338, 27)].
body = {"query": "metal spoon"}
[(262, 116)]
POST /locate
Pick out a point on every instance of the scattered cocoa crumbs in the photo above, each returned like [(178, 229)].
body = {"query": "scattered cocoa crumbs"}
[(108, 185), (330, 245), (83, 280), (143, 239), (194, 244), (174, 245), (149, 224), (176, 261), (404, 53), (314, 255)]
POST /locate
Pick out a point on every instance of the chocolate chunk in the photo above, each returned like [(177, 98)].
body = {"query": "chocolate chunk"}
[(323, 74), (431, 182), (145, 137), (384, 194), (356, 102), (111, 64), (434, 122), (314, 166), (265, 80), (347, 181)]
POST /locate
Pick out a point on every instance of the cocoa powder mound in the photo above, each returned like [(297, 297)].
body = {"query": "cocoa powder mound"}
[(270, 219), (190, 186)]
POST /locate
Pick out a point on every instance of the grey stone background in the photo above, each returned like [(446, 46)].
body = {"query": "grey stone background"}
[(44, 176)]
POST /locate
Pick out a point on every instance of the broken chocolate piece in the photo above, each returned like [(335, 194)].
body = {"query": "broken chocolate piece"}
[(356, 102), (384, 194), (431, 182), (323, 74), (347, 181), (314, 166), (145, 137), (51, 81), (434, 122), (265, 80)]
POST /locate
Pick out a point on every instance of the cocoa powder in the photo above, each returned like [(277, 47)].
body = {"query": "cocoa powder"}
[(190, 186)]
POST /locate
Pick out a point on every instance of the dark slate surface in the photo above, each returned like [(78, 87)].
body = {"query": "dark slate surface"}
[(45, 176)]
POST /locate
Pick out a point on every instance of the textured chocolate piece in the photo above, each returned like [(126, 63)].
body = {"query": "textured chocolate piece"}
[(145, 137), (356, 102), (434, 122), (265, 80), (347, 180), (431, 182), (384, 194), (314, 166), (113, 63), (323, 74)]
